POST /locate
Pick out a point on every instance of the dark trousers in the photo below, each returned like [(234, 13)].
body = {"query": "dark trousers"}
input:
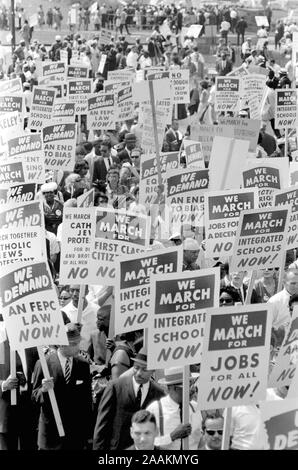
[(238, 38)]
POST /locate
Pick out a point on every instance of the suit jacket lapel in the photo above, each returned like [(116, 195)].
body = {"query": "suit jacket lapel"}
[(55, 368), (130, 390)]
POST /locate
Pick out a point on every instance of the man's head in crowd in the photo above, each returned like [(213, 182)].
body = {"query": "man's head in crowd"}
[(130, 141), (74, 339), (212, 426), (237, 278), (64, 297), (105, 149), (113, 177), (136, 157), (191, 249), (228, 297), (140, 372), (75, 294), (291, 281), (143, 430), (103, 318)]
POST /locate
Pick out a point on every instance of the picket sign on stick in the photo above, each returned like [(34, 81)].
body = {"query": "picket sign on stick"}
[(13, 372), (51, 392), (227, 430), (281, 271), (111, 334), (152, 100), (250, 287), (81, 302), (185, 404)]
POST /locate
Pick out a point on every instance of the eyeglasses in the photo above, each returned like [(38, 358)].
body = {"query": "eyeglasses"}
[(64, 298), (211, 433), (226, 301), (135, 156)]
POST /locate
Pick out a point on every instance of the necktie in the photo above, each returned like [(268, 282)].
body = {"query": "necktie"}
[(67, 371), (139, 397)]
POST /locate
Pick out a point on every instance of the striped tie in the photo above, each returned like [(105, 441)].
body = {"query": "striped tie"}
[(67, 371)]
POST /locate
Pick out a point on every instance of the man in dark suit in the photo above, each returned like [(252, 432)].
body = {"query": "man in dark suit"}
[(143, 431), (103, 162), (268, 142), (71, 381), (131, 392), (223, 65)]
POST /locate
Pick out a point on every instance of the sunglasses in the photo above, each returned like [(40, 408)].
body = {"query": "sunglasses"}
[(65, 298), (211, 433), (135, 156), (226, 301)]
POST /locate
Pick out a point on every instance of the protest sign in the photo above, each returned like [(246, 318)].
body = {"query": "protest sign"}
[(268, 175), (64, 112), (185, 189), (148, 175), (117, 232), (86, 199), (11, 173), (161, 89), (253, 88), (17, 193), (286, 109), (163, 113), (132, 292), (227, 160), (235, 357), (243, 129), (280, 418), (105, 36), (77, 72), (227, 94), (14, 85), (101, 111), (78, 92), (194, 30), (30, 321), (28, 148), (262, 21), (95, 238), (222, 212), (205, 134), (22, 233), (193, 154), (10, 125), (102, 63), (59, 146), (285, 363), (76, 244), (14, 102), (64, 56), (238, 72), (52, 71), (180, 86), (41, 108), (290, 197), (122, 75), (292, 392), (176, 324), (261, 239), (124, 104)]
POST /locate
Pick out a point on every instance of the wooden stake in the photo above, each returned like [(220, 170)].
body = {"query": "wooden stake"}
[(51, 392), (250, 287), (152, 100), (185, 404), (225, 445), (13, 373), (81, 303)]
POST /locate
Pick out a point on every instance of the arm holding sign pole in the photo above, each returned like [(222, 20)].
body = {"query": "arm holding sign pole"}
[(13, 373), (51, 392)]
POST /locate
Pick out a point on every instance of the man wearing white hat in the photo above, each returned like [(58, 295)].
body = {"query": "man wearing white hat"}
[(168, 414), (191, 249)]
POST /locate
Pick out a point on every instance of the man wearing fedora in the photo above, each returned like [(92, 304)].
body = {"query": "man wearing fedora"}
[(121, 399), (71, 381), (168, 414), (130, 143)]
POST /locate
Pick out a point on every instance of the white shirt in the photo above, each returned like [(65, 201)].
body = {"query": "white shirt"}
[(132, 59), (144, 389), (54, 244), (280, 308), (171, 419), (63, 360), (262, 33), (88, 321)]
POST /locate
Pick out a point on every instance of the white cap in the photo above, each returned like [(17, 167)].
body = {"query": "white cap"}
[(191, 244), (57, 38), (48, 187)]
